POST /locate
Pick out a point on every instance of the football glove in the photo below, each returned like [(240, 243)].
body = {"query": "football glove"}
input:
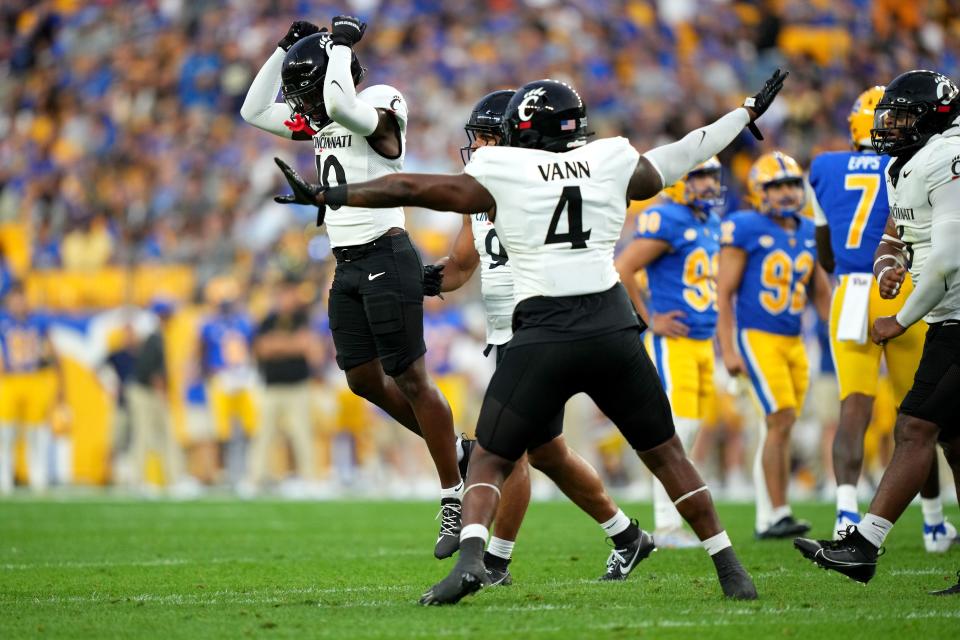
[(303, 191), (432, 279), (347, 30), (760, 102), (297, 32)]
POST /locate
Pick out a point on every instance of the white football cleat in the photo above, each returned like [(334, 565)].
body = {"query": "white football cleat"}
[(938, 538)]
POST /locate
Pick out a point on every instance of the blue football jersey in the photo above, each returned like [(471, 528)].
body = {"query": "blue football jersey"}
[(851, 191), (780, 263), (21, 342), (684, 278), (226, 342)]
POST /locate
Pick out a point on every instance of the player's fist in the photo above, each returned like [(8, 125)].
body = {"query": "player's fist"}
[(734, 364), (303, 191), (669, 325), (347, 30), (297, 32), (758, 104), (432, 279), (889, 281), (886, 328)]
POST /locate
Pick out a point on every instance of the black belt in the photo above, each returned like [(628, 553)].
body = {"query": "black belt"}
[(358, 251)]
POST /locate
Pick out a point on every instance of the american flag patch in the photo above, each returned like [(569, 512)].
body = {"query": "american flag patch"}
[(568, 125)]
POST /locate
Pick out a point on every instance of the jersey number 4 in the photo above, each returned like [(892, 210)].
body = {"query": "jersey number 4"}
[(571, 200)]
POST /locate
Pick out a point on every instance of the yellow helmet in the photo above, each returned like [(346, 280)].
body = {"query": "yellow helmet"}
[(861, 117), (769, 168), (678, 191)]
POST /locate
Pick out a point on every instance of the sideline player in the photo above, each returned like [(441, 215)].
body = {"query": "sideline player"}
[(574, 326), (477, 246), (917, 122), (850, 209), (768, 261), (376, 299), (677, 242)]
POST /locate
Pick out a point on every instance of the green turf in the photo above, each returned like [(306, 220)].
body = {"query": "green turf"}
[(117, 569)]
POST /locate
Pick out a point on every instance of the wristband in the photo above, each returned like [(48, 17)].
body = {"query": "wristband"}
[(889, 239), (335, 197), (883, 271), (888, 256)]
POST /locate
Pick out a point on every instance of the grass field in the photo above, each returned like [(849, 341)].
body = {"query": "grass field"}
[(119, 569)]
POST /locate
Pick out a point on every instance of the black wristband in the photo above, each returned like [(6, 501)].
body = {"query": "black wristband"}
[(335, 197)]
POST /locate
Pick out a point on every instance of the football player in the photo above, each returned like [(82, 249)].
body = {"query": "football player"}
[(559, 207), (30, 387), (376, 299), (677, 242), (768, 262), (849, 202), (476, 246), (917, 123)]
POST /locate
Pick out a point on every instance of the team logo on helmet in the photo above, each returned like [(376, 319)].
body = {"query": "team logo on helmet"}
[(946, 90), (529, 98)]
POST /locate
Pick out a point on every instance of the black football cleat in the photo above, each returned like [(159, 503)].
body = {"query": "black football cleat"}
[(852, 555), (621, 561), (468, 576), (786, 527), (448, 541), (498, 570), (734, 579), (466, 446), (949, 591)]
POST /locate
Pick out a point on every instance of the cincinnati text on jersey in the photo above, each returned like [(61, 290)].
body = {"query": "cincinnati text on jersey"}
[(901, 213), (332, 142)]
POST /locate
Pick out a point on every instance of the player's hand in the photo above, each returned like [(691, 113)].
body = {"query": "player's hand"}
[(432, 279), (890, 281), (758, 104), (303, 191), (668, 324), (886, 328), (297, 32), (734, 364), (347, 30)]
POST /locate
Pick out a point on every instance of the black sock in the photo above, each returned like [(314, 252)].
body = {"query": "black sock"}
[(725, 559), (625, 537), (495, 562), (472, 548)]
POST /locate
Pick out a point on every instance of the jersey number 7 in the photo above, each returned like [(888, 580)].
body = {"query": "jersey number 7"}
[(572, 201)]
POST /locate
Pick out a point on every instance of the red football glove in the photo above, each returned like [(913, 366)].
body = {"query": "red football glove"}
[(299, 123)]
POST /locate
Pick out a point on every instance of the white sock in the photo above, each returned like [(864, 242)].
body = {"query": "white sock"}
[(716, 544), (452, 492), (39, 439), (501, 548), (474, 531), (617, 524), (7, 437), (764, 514), (779, 513), (847, 498), (459, 446), (932, 511), (874, 529)]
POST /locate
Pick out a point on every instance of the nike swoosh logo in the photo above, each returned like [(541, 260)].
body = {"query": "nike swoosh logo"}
[(338, 85), (906, 173), (374, 276), (703, 134)]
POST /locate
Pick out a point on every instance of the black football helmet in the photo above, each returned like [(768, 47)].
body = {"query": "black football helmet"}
[(547, 115), (302, 74), (915, 106), (486, 118)]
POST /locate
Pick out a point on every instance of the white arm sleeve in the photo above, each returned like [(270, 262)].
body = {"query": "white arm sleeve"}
[(260, 107), (944, 259), (673, 161), (340, 94)]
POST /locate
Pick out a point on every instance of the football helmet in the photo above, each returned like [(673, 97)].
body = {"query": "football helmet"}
[(304, 68), (773, 168), (861, 117), (681, 191), (545, 114), (486, 118), (915, 106)]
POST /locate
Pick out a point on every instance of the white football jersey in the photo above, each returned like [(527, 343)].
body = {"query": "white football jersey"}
[(496, 280), (935, 164), (344, 157), (559, 214)]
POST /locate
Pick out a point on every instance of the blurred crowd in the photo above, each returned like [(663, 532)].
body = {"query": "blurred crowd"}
[(121, 144)]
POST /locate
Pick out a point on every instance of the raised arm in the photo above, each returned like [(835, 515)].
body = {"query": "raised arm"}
[(663, 166)]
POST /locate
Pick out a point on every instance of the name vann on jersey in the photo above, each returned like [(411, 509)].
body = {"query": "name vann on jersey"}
[(935, 164), (566, 212), (849, 191), (496, 279), (344, 157)]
